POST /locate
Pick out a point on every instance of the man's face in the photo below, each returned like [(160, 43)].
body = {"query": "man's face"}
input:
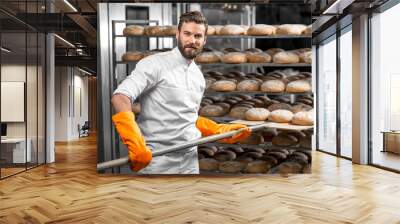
[(191, 39)]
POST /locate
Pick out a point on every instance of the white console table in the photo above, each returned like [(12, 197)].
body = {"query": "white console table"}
[(16, 147)]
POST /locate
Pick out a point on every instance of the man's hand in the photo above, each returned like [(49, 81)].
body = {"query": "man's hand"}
[(139, 155), (208, 127)]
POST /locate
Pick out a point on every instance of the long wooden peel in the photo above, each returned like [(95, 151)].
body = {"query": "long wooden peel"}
[(212, 138)]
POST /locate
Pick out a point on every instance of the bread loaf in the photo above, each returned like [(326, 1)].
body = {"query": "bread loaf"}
[(290, 167), (305, 57), (224, 155), (208, 164), (273, 86), (211, 30), (284, 140), (254, 139), (212, 111), (308, 30), (154, 30), (286, 57), (305, 142), (260, 57), (206, 151), (279, 106), (303, 118), (231, 166), (223, 86), (248, 85), (132, 56), (133, 30), (270, 159), (261, 30), (234, 58), (169, 31), (253, 155), (257, 166), (273, 51), (238, 112), (300, 107), (279, 156), (256, 114), (291, 29), (298, 86), (232, 30), (218, 29), (281, 116), (207, 57)]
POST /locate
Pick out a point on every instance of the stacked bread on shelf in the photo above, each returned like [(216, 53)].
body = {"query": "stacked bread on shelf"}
[(226, 30), (253, 159), (260, 108), (278, 81)]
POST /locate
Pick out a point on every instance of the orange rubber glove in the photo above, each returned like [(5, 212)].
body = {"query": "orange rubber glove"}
[(208, 127), (139, 155)]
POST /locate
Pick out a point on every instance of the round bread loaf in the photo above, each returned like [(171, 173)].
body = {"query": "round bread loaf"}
[(136, 108), (286, 57), (298, 86), (206, 151), (209, 82), (261, 30), (225, 106), (300, 107), (291, 29), (256, 114), (234, 58), (224, 155), (305, 142), (231, 167), (248, 85), (212, 111), (284, 140), (223, 86), (238, 112), (289, 167), (133, 30), (257, 166), (154, 30), (207, 57), (281, 116), (236, 149), (208, 164), (273, 86), (308, 30), (253, 155), (254, 139), (303, 118), (259, 57), (244, 159), (132, 56), (279, 106), (253, 50), (256, 149), (269, 159), (305, 57), (218, 29), (211, 30), (277, 155), (273, 51), (169, 31), (232, 30)]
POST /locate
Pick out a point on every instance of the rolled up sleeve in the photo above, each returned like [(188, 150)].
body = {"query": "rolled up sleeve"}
[(144, 77)]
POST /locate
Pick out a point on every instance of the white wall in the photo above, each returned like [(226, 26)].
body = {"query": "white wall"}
[(71, 94)]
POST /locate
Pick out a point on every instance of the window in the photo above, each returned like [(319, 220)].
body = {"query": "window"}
[(346, 92), (327, 96), (385, 86)]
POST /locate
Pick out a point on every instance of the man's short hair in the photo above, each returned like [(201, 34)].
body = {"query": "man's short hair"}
[(193, 16)]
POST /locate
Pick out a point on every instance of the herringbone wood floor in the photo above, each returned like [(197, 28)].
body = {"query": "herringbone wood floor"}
[(70, 191)]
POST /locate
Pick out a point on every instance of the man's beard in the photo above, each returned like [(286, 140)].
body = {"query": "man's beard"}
[(191, 50)]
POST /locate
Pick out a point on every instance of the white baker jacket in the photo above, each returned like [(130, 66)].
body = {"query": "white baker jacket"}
[(170, 91)]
